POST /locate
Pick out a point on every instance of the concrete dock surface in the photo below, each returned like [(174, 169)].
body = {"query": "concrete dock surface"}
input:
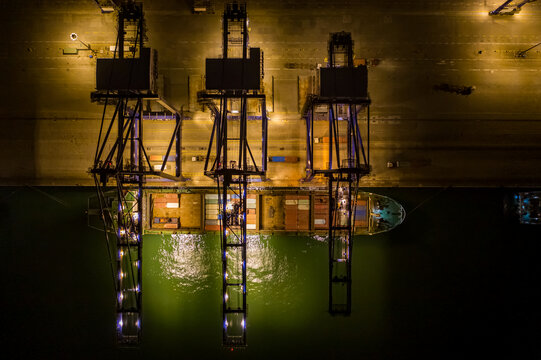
[(491, 137)]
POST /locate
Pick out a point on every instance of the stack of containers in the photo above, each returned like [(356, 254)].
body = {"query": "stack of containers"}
[(361, 218), (303, 212), (161, 157), (321, 212), (297, 212), (212, 211), (165, 223), (291, 212), (157, 162), (251, 212), (172, 201), (164, 202), (159, 201)]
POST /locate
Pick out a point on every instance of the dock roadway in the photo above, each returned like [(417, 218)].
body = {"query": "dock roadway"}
[(489, 138)]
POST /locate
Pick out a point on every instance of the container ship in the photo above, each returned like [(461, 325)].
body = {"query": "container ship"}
[(268, 212), (528, 207)]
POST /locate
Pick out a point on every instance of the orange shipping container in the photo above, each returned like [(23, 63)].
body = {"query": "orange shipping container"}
[(303, 224), (291, 212), (291, 222), (291, 227), (291, 159), (303, 215), (341, 139)]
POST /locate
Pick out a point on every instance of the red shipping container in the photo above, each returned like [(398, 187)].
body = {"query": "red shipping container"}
[(291, 222), (291, 159), (303, 217), (291, 214)]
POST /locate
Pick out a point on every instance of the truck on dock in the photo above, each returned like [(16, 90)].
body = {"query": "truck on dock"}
[(325, 140), (284, 159)]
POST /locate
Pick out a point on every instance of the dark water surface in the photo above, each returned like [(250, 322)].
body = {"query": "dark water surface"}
[(455, 279)]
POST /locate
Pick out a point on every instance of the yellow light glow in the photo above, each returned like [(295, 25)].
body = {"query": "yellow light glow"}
[(184, 258)]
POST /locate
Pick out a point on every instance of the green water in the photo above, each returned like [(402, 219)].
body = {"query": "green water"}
[(287, 294), (455, 279)]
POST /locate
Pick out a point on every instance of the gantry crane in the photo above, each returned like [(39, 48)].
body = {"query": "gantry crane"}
[(233, 89), (120, 162), (343, 92), (106, 6)]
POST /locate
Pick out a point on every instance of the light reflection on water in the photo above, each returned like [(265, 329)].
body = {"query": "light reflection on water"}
[(184, 259), (192, 263), (319, 238), (267, 267)]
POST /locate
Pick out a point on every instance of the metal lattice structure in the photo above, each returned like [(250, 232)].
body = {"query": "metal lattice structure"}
[(343, 91), (106, 6), (510, 7), (233, 85), (121, 164)]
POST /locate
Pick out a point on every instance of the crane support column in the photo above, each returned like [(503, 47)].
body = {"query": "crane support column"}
[(343, 90), (233, 84), (120, 174)]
